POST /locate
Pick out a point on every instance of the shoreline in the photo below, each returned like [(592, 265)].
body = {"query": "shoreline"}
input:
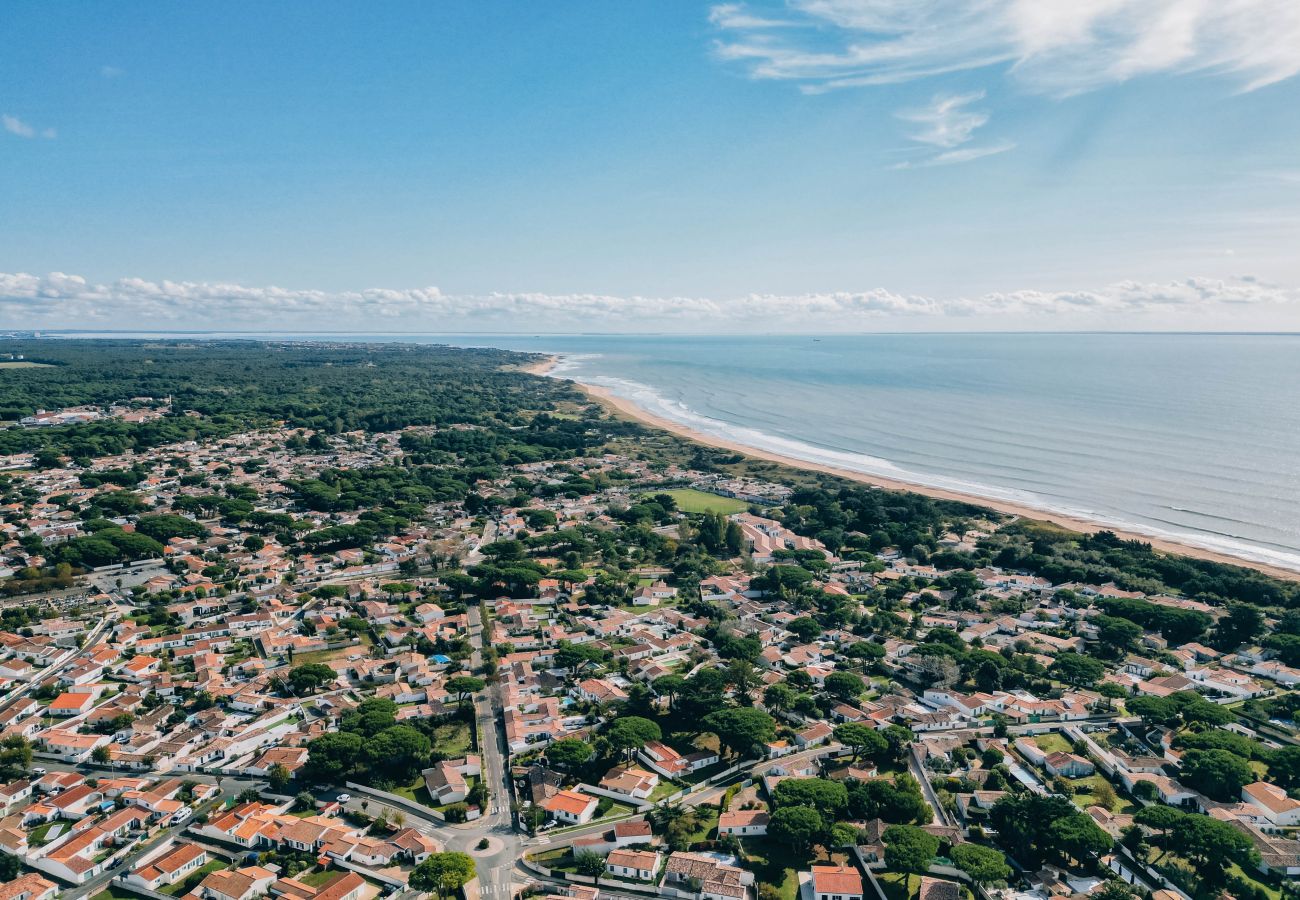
[(627, 409)]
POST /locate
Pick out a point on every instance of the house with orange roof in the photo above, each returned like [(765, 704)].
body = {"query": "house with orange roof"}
[(571, 807), (837, 883), (72, 703), (1274, 805), (29, 887), (173, 865)]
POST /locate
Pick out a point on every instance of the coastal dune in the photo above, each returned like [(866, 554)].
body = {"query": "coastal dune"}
[(625, 408)]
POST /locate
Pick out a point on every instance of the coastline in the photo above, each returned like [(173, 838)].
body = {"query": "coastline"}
[(627, 409)]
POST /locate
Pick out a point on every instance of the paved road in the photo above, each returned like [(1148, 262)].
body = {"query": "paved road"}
[(92, 638), (496, 863)]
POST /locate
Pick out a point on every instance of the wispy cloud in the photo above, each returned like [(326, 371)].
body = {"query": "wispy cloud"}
[(18, 127), (61, 300), (110, 72), (1056, 47), (947, 121), (735, 15), (952, 157)]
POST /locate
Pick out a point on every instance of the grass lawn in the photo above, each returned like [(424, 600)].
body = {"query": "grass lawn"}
[(560, 860), (899, 886), (1052, 742), (326, 656), (1183, 874), (1086, 794), (189, 882), (41, 834), (708, 823), (686, 742), (116, 892), (611, 809), (779, 865), (453, 739), (1273, 893), (693, 501), (316, 879), (663, 789), (415, 792)]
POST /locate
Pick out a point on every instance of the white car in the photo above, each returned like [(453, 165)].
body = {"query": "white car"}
[(38, 771), (343, 798), (181, 815)]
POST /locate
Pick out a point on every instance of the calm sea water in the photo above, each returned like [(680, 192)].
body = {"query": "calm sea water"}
[(1193, 437)]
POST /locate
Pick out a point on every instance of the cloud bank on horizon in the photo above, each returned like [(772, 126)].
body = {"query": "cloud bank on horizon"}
[(62, 301)]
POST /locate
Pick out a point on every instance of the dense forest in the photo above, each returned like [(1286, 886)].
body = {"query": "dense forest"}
[(235, 385)]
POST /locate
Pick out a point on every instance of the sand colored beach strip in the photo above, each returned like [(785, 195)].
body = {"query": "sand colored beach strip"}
[(626, 408)]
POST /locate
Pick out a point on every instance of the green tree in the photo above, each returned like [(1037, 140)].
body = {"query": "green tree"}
[(741, 729), (828, 797), (1077, 837), (568, 753), (1211, 847), (779, 696), (1242, 625), (909, 849), (1116, 635), (805, 628), (464, 685), (310, 677), (15, 756), (589, 863), (983, 864), (398, 752), (1077, 670), (630, 733), (101, 755), (443, 873), (863, 740), (572, 656), (1162, 819), (332, 757), (1218, 774), (279, 777), (796, 826), (671, 685), (844, 686)]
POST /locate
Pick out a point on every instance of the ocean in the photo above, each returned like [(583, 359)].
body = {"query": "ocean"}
[(1188, 437)]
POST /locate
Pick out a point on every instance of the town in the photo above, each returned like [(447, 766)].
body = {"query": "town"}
[(309, 666)]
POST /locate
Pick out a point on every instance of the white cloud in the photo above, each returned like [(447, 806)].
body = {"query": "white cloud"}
[(735, 15), (1052, 46), (110, 72), (60, 300), (946, 122), (17, 126), (952, 157)]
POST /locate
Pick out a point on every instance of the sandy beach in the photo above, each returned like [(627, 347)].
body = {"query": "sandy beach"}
[(626, 408)]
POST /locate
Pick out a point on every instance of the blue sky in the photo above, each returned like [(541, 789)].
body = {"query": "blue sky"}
[(816, 164)]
